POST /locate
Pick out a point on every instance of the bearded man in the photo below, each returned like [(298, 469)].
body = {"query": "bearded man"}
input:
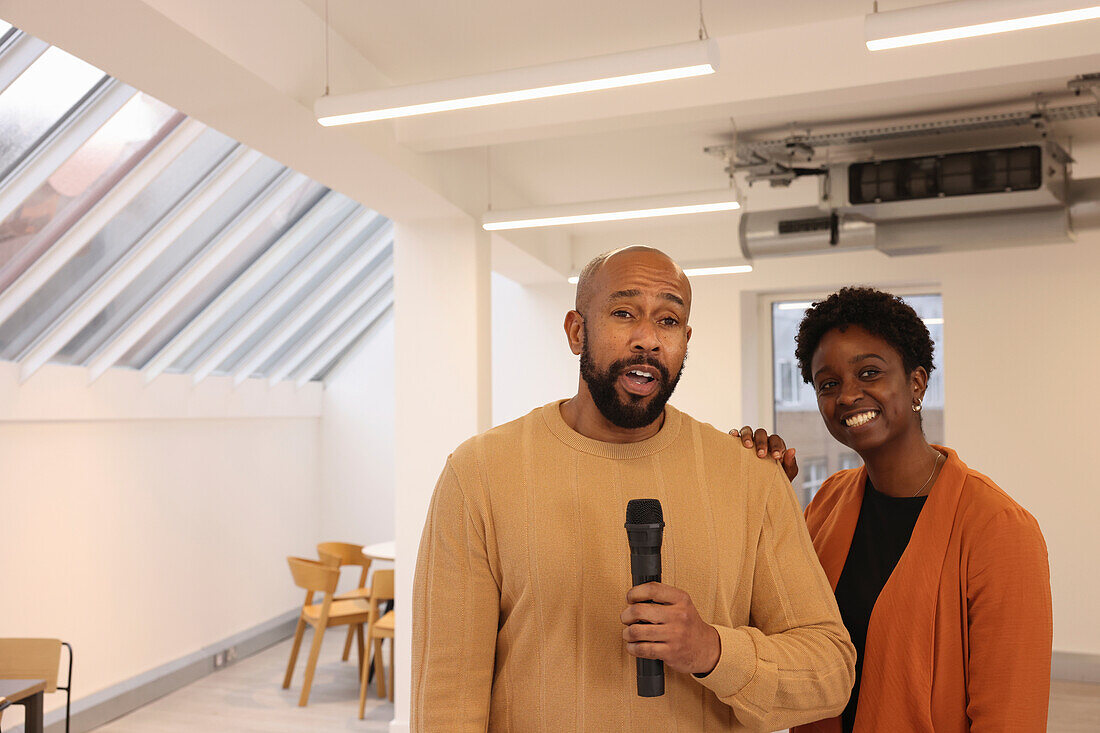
[(524, 618)]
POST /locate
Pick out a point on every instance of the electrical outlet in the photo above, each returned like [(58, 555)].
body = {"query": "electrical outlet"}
[(231, 655), (219, 659)]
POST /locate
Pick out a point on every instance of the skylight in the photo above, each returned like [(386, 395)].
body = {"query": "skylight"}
[(133, 236)]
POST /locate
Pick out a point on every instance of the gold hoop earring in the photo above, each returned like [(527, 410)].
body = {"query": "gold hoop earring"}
[(917, 407)]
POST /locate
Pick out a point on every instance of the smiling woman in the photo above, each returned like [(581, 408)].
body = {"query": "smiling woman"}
[(932, 564), (794, 403)]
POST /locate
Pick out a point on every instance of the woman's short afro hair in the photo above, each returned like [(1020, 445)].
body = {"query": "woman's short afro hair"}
[(883, 314)]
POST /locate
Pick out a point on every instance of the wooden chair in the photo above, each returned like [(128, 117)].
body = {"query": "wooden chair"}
[(378, 628), (344, 554), (36, 659), (317, 577)]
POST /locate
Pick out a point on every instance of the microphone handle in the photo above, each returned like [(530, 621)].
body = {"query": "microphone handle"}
[(651, 672)]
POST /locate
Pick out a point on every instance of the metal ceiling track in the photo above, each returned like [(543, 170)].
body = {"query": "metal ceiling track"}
[(746, 149), (776, 159)]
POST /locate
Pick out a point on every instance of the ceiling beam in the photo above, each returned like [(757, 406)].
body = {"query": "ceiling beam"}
[(348, 334), (76, 237), (338, 317), (49, 156), (17, 56), (276, 195), (283, 292), (760, 77), (137, 259), (328, 206), (317, 300)]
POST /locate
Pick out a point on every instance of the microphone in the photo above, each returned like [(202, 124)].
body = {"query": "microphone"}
[(645, 525)]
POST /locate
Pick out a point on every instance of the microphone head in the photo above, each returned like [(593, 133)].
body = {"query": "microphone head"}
[(644, 511)]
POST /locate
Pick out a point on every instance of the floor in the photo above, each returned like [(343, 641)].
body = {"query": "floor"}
[(248, 697)]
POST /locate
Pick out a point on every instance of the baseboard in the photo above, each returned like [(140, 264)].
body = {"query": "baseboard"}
[(1075, 667), (92, 711)]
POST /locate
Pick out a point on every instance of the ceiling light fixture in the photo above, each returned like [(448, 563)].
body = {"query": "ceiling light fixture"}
[(697, 271), (948, 21), (614, 210), (678, 61), (723, 270)]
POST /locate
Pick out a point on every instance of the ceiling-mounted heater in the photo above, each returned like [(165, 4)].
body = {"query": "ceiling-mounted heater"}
[(802, 231), (969, 199)]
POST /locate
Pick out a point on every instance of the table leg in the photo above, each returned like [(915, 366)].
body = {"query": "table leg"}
[(33, 706)]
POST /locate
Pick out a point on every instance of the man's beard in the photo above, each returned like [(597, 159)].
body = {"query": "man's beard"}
[(633, 414)]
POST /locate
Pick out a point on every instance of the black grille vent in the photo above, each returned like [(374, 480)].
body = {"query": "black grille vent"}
[(956, 174), (794, 226)]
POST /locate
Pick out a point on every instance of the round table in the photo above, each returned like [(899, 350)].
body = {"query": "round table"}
[(380, 551)]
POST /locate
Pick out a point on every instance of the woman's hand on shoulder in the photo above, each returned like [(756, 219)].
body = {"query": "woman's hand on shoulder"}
[(769, 446)]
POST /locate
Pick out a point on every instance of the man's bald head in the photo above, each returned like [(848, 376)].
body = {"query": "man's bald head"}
[(588, 282)]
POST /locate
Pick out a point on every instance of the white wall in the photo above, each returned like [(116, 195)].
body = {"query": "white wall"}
[(532, 363), (142, 523), (1020, 354), (357, 497)]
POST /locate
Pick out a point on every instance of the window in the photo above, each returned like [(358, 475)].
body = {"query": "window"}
[(814, 474), (794, 403)]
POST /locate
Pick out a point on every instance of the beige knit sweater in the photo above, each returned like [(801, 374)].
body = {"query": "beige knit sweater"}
[(524, 568)]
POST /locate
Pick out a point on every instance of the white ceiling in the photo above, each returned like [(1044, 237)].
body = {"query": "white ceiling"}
[(784, 62), (412, 42), (655, 145)]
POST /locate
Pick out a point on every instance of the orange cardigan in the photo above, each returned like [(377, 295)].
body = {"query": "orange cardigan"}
[(960, 637)]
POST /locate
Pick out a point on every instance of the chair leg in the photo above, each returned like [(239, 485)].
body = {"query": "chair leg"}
[(379, 670), (359, 637), (363, 681), (311, 665), (392, 672), (347, 643), (294, 652)]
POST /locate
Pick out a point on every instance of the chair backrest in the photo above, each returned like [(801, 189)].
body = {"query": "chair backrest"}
[(348, 553), (313, 575), (381, 586), (381, 590), (31, 659)]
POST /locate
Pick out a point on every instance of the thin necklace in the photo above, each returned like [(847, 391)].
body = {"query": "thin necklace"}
[(939, 457)]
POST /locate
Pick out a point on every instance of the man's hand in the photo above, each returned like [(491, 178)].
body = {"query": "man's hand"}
[(769, 445), (675, 633)]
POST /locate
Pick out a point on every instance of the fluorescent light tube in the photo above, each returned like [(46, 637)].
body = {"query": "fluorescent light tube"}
[(646, 66), (695, 271), (969, 18), (724, 270), (614, 210)]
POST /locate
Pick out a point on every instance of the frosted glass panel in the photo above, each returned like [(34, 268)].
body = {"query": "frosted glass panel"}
[(104, 249), (112, 150), (38, 100), (53, 105)]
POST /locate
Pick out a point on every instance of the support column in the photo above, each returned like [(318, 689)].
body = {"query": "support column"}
[(442, 381)]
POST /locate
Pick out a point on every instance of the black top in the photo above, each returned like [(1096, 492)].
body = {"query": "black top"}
[(882, 532)]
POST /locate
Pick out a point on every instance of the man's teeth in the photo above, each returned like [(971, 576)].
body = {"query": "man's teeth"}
[(861, 419), (640, 373)]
